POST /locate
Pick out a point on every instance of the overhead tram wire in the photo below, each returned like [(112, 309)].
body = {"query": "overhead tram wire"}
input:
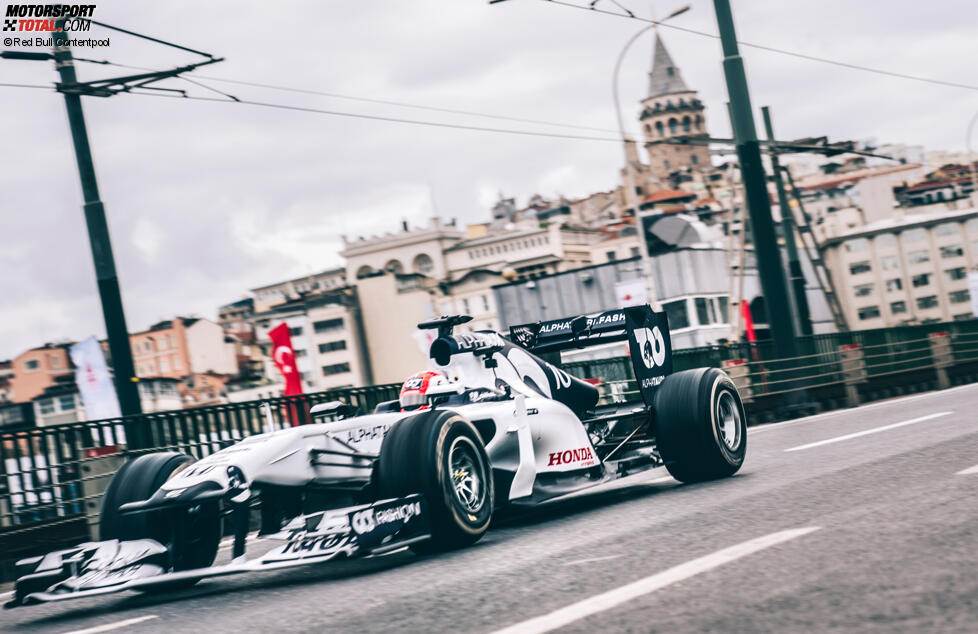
[(357, 115), (385, 102), (770, 49)]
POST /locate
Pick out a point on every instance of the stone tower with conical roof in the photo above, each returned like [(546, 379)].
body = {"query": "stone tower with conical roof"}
[(671, 111)]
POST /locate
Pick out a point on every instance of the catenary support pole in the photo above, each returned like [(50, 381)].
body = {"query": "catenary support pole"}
[(769, 264), (788, 230), (98, 234)]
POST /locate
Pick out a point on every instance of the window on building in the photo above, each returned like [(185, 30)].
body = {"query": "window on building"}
[(895, 284), (898, 307), (332, 345), (885, 240), (914, 235), (918, 257), (857, 245), (336, 368), (953, 251), (704, 310), (66, 402), (295, 332), (677, 314), (963, 317), (610, 255), (862, 290), (930, 301), (31, 364), (327, 324), (724, 311), (947, 229), (889, 262), (954, 274), (465, 305), (299, 353), (485, 303), (46, 406), (920, 280), (869, 312), (177, 366), (164, 365), (394, 266), (957, 297), (666, 164), (860, 267), (635, 252)]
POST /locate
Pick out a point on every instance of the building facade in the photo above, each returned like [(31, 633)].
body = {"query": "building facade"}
[(37, 369), (909, 269), (183, 346)]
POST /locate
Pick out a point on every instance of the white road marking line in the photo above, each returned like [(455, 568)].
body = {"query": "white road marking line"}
[(605, 601), (760, 429), (113, 626), (665, 479), (590, 560), (866, 432), (6, 595), (968, 471)]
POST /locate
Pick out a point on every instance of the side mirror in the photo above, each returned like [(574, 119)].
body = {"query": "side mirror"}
[(338, 409)]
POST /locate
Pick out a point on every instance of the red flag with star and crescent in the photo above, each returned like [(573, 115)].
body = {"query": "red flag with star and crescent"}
[(284, 357)]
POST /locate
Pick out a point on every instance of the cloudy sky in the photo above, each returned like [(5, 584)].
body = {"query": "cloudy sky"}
[(206, 200)]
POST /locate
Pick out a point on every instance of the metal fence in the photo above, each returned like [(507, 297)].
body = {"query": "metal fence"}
[(56, 474), (52, 478)]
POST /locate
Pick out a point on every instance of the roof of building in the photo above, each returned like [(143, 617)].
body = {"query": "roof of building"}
[(908, 221), (668, 194), (665, 78), (495, 237), (853, 177), (334, 271)]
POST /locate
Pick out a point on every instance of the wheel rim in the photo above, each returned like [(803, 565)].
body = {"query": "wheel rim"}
[(728, 420), (468, 475)]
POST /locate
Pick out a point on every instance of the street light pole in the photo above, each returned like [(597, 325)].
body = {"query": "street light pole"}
[(788, 229), (98, 234), (628, 182), (769, 263)]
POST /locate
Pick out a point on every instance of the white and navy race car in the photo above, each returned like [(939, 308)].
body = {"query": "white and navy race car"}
[(504, 428)]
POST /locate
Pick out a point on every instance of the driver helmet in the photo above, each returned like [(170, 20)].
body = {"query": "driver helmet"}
[(414, 391)]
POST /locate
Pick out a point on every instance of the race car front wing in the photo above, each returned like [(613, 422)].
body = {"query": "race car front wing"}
[(96, 568)]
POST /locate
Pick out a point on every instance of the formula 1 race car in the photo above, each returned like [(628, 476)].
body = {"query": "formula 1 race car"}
[(504, 427)]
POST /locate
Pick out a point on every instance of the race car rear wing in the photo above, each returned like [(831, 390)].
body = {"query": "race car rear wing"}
[(646, 331)]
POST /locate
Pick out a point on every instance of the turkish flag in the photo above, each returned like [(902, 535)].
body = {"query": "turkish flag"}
[(284, 357), (748, 321)]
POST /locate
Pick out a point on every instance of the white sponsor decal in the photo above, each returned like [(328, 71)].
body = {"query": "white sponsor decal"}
[(363, 521), (652, 345)]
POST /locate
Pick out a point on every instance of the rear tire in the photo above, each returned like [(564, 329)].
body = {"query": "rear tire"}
[(192, 535), (440, 455), (701, 428)]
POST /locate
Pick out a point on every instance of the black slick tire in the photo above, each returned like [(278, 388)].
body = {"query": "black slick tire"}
[(701, 428)]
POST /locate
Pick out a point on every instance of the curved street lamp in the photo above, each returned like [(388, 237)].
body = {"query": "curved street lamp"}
[(628, 183)]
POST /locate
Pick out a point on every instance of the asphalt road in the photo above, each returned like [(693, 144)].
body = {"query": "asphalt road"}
[(875, 530)]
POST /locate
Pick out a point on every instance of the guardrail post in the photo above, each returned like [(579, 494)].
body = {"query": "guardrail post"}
[(940, 348), (96, 471), (853, 370), (739, 373)]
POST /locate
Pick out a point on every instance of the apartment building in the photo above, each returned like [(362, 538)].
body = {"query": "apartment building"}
[(908, 269), (38, 369), (178, 347), (326, 337)]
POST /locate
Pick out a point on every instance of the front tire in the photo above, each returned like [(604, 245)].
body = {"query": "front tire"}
[(440, 455), (192, 535), (701, 425)]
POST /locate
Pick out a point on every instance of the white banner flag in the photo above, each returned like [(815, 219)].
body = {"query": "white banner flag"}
[(631, 292), (94, 382)]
